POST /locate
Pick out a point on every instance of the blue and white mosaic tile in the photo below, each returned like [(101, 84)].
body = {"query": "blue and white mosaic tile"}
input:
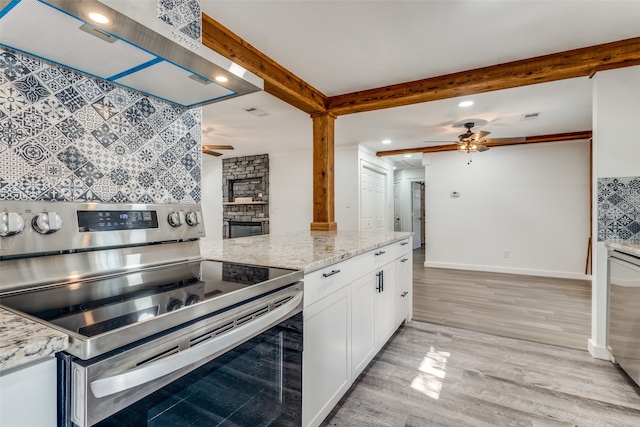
[(68, 137), (183, 15), (619, 208)]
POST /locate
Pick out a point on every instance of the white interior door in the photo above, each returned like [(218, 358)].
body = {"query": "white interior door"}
[(397, 206), (373, 200), (379, 201), (366, 198), (416, 214)]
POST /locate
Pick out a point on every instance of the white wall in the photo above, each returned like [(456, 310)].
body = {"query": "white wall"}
[(347, 188), (291, 188), (530, 200), (404, 178), (290, 192), (212, 196), (616, 109)]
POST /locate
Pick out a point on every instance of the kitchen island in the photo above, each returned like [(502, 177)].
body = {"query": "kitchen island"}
[(631, 247), (306, 250)]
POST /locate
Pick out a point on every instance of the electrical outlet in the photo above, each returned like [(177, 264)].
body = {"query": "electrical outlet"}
[(507, 254)]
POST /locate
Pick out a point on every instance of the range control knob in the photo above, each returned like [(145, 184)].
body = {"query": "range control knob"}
[(192, 299), (174, 305), (10, 223), (175, 219), (47, 222), (192, 218)]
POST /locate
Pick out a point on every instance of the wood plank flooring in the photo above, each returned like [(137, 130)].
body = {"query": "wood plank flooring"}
[(540, 309), (434, 375)]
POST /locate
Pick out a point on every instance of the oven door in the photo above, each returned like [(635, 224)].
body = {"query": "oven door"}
[(242, 367)]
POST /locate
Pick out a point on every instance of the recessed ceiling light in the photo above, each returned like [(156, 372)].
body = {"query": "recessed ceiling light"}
[(407, 155), (386, 141), (222, 79), (394, 168), (465, 104), (98, 18)]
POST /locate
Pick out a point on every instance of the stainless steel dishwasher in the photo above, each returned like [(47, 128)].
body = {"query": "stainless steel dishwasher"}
[(624, 312)]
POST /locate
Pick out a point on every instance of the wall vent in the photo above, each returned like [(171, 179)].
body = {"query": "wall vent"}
[(256, 111), (530, 116)]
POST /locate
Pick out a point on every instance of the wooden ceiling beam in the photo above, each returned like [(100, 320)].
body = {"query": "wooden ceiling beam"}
[(278, 81), (556, 137), (557, 66)]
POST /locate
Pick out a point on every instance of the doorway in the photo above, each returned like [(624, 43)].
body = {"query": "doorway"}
[(373, 199), (418, 214)]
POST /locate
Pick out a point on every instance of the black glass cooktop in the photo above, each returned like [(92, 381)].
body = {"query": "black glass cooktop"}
[(94, 307)]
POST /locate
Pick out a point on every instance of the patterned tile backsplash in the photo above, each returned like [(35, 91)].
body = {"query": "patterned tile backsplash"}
[(65, 136), (183, 15), (618, 208)]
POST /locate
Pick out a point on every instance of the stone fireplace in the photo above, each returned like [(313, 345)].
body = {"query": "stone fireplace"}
[(245, 196)]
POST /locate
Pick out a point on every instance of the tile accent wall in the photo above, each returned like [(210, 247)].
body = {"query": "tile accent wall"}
[(183, 15), (68, 137), (619, 208)]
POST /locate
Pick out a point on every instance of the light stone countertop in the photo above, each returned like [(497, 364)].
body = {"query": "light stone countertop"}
[(23, 340), (305, 250), (631, 247)]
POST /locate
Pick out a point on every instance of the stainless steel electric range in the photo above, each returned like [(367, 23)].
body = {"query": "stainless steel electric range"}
[(156, 333)]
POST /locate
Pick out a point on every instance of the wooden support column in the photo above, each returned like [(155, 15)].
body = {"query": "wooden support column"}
[(323, 172)]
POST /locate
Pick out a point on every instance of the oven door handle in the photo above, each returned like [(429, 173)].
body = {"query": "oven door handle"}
[(170, 364)]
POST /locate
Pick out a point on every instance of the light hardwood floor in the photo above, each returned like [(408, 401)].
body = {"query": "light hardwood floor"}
[(528, 365), (433, 375), (540, 309)]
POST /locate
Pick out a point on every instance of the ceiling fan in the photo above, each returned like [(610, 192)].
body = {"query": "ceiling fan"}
[(470, 142), (476, 142), (211, 149)]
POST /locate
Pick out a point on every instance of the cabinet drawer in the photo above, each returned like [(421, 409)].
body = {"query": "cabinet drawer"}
[(404, 273), (403, 246), (379, 257), (320, 283)]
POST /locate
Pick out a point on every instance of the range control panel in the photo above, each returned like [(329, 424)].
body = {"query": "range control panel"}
[(37, 227)]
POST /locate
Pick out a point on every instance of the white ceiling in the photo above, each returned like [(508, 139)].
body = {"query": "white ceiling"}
[(345, 46)]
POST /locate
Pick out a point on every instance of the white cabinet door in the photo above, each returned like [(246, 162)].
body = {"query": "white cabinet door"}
[(28, 395), (363, 323), (385, 304), (326, 368)]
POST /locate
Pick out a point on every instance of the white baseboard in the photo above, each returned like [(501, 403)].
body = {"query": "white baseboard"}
[(493, 269), (599, 352)]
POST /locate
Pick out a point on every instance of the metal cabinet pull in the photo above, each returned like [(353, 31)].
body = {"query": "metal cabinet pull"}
[(404, 243), (404, 294), (404, 260), (330, 273), (379, 253), (379, 276)]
